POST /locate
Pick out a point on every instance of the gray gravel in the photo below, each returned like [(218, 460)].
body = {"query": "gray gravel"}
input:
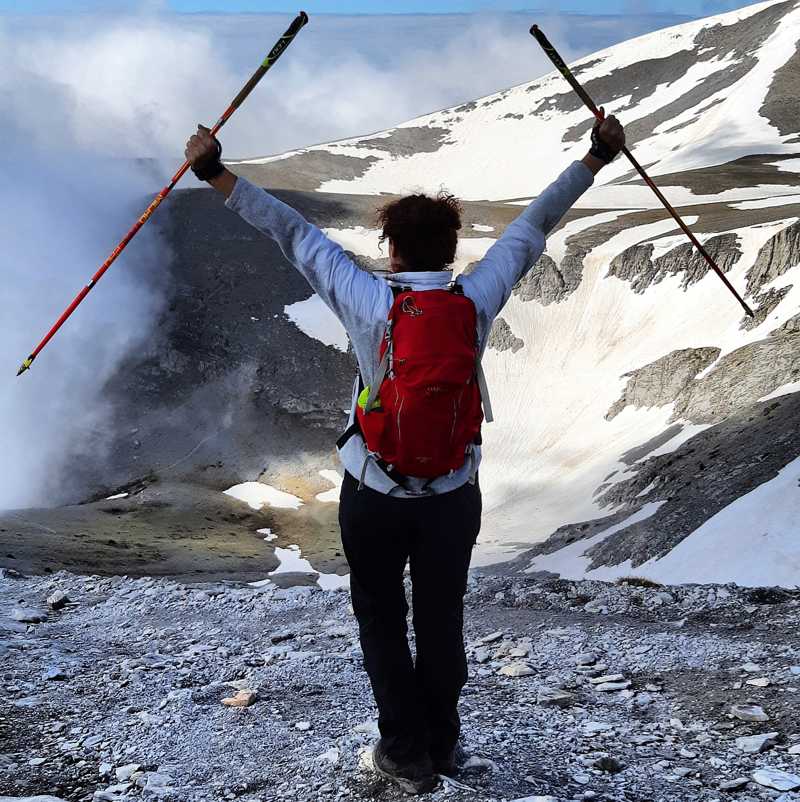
[(577, 691)]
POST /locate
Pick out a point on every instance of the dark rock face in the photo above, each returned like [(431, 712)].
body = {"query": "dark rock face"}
[(408, 141), (662, 381), (305, 171), (637, 266), (749, 171), (229, 385), (543, 282), (779, 254), (368, 263), (779, 105), (635, 454), (704, 475), (501, 338)]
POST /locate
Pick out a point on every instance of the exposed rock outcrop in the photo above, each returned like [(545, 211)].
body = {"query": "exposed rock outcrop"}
[(766, 304), (776, 257), (662, 381), (636, 264), (741, 378), (548, 282), (502, 338)]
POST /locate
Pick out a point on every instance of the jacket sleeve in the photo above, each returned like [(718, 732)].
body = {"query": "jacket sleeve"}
[(523, 242), (352, 294)]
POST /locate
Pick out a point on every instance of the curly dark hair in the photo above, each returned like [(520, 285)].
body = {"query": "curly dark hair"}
[(424, 230)]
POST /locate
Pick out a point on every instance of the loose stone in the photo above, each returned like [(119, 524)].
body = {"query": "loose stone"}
[(779, 780), (586, 659), (609, 687), (607, 678), (516, 670), (55, 673), (749, 713), (244, 698), (28, 615), (755, 744), (734, 785), (552, 697), (58, 600)]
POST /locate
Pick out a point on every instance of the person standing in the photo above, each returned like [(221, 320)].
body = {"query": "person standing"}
[(411, 494)]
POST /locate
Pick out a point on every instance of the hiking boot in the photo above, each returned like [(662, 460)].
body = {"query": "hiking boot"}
[(450, 764), (414, 777)]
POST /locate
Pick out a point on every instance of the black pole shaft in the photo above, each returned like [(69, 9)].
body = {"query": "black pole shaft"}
[(562, 67)]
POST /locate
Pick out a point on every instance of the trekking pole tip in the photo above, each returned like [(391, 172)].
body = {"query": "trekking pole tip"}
[(25, 366)]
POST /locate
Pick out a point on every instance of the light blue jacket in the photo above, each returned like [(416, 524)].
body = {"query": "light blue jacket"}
[(362, 300)]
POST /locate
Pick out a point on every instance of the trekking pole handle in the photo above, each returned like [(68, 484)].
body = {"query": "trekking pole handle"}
[(300, 20), (561, 66)]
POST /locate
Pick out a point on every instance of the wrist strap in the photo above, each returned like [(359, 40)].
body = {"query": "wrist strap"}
[(211, 168), (600, 149)]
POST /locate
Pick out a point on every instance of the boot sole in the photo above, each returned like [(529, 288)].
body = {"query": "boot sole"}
[(406, 785)]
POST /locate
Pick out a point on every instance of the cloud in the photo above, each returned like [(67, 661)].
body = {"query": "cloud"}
[(65, 203)]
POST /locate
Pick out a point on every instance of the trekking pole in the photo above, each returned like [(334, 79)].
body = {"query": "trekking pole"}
[(561, 66), (272, 57)]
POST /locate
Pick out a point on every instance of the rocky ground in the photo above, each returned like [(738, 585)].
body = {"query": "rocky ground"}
[(577, 691)]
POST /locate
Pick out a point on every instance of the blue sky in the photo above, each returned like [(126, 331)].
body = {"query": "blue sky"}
[(690, 7)]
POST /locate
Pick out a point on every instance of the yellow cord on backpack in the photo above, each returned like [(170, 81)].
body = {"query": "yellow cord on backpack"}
[(364, 397)]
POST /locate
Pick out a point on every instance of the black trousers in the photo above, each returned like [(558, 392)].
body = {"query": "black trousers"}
[(417, 700)]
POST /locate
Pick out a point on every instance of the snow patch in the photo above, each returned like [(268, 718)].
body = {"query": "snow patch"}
[(786, 389), (767, 203), (314, 318), (358, 240), (787, 165), (758, 533), (332, 495), (292, 561), (259, 495)]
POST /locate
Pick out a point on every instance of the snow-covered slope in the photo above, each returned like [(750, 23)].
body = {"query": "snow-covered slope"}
[(694, 96), (620, 337)]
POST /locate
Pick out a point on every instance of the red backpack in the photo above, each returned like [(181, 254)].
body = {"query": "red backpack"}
[(424, 407)]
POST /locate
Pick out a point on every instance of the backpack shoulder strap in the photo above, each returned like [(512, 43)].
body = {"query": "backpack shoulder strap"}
[(456, 288), (483, 387)]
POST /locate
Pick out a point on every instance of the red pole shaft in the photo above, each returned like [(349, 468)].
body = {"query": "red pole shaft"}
[(562, 67), (274, 54)]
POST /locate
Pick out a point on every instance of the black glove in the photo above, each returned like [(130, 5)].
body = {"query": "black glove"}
[(600, 149), (211, 167)]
